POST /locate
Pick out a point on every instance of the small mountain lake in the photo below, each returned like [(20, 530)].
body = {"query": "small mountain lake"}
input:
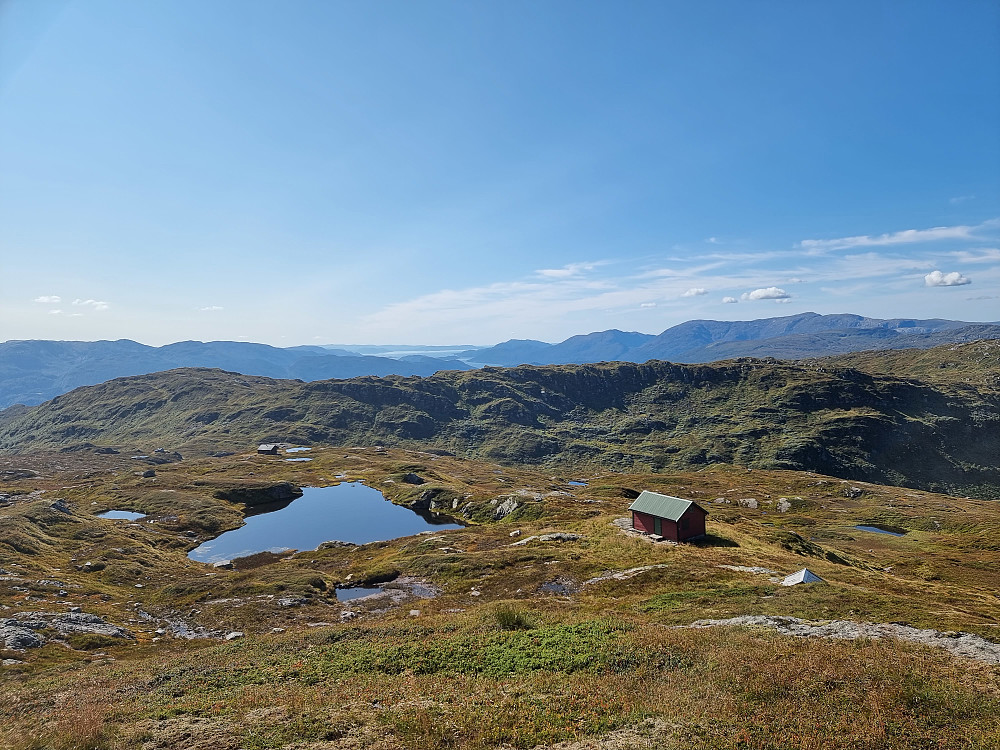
[(345, 595), (877, 530), (347, 512), (121, 515)]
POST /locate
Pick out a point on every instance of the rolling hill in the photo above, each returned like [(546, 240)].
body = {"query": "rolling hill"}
[(928, 421)]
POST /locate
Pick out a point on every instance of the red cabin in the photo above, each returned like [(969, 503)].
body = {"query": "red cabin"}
[(669, 517)]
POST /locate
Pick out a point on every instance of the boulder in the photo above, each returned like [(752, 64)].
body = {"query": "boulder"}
[(505, 508), (17, 637)]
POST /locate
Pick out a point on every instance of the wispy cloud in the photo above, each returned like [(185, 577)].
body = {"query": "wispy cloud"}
[(695, 292), (91, 303), (211, 308), (771, 292), (51, 299), (55, 312), (730, 300), (648, 304), (905, 237), (936, 278), (569, 271), (960, 199), (985, 255)]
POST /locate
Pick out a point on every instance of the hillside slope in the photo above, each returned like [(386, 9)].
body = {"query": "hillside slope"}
[(933, 433)]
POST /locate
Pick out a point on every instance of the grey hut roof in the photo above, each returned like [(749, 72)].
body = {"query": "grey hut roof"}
[(664, 506), (268, 447)]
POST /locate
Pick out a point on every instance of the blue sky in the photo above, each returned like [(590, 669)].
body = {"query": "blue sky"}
[(467, 172)]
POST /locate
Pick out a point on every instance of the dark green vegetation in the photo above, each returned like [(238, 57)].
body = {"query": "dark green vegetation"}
[(925, 419), (521, 645)]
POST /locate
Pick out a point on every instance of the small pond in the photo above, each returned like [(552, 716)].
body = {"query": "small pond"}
[(877, 530), (345, 595), (297, 450), (576, 483), (121, 515), (348, 512)]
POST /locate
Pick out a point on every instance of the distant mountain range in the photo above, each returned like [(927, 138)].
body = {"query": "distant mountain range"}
[(34, 371), (792, 337)]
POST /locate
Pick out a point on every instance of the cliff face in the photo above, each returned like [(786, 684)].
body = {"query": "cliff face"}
[(935, 430)]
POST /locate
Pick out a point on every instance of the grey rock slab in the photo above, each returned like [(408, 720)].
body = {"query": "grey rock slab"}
[(17, 637), (961, 644), (558, 536)]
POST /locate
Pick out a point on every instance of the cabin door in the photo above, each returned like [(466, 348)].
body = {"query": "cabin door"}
[(658, 525)]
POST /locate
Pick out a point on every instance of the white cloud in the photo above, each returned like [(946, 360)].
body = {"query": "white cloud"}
[(210, 308), (695, 292), (984, 255), (55, 312), (52, 299), (960, 199), (771, 292), (730, 300), (905, 237), (783, 301), (936, 278), (92, 303), (568, 271), (648, 304)]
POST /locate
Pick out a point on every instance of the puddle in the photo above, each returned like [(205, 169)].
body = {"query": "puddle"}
[(877, 530), (347, 512), (346, 595), (576, 483), (297, 450), (562, 588), (121, 515)]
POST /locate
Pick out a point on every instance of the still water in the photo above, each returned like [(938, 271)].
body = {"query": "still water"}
[(348, 512), (121, 515), (877, 530), (346, 595)]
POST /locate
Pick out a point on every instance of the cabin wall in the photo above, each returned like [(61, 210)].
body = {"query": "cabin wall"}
[(691, 524), (643, 522), (668, 530)]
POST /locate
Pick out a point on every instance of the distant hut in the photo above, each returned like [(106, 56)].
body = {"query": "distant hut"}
[(668, 517), (268, 449)]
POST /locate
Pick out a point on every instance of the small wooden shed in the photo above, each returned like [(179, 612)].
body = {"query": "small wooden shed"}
[(268, 449), (669, 517)]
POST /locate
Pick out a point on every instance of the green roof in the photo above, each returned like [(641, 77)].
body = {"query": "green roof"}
[(664, 506)]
